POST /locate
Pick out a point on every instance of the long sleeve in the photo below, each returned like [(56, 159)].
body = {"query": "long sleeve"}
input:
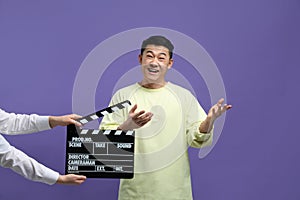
[(22, 164), (194, 117), (11, 123), (10, 157)]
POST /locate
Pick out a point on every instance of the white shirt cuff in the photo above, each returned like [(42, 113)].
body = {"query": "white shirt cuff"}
[(51, 178), (43, 123)]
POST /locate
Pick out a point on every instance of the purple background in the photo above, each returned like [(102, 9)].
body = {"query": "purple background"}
[(255, 45)]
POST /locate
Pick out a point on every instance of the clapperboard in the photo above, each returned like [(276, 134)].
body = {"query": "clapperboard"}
[(100, 153)]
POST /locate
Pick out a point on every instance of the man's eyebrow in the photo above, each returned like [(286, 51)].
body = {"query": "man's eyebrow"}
[(162, 53), (149, 51)]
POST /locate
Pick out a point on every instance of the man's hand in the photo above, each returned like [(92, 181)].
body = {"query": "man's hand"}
[(218, 109), (214, 112), (71, 179), (64, 120), (136, 120)]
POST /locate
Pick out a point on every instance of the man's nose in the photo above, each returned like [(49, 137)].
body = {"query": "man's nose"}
[(154, 62)]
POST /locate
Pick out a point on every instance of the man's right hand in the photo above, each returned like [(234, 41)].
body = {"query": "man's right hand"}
[(136, 120)]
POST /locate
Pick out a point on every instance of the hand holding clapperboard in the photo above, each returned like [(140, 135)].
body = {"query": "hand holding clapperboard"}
[(100, 153)]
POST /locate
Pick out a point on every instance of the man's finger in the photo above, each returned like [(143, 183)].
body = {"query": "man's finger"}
[(75, 116), (132, 110), (220, 102), (145, 116), (142, 118), (228, 107), (136, 115), (76, 123)]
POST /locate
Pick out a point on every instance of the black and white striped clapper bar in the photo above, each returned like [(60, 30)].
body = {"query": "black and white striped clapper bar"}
[(100, 153)]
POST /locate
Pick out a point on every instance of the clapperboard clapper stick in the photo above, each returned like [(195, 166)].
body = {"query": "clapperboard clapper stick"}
[(100, 153)]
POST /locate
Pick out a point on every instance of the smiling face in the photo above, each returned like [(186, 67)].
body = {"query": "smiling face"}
[(155, 62)]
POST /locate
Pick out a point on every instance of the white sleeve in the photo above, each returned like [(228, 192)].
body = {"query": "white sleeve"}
[(11, 123), (22, 164)]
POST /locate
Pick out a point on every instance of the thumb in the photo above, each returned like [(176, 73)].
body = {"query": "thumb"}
[(132, 110)]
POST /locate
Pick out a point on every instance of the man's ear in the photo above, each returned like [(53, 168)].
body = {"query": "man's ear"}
[(171, 61), (140, 58)]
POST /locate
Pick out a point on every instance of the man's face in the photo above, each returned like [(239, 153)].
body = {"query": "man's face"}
[(155, 62)]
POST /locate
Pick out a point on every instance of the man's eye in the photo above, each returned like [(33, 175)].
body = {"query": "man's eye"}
[(161, 58), (149, 56)]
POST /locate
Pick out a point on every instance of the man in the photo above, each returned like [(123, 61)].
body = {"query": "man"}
[(15, 159), (174, 122)]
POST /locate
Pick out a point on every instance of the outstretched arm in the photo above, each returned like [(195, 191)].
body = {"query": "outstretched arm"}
[(215, 111), (11, 123), (29, 168)]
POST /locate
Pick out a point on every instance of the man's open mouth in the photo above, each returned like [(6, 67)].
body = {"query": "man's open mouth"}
[(153, 70)]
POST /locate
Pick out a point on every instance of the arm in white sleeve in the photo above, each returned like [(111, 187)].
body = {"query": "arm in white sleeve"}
[(11, 123), (22, 164)]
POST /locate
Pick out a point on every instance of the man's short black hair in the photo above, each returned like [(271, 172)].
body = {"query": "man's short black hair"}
[(158, 40)]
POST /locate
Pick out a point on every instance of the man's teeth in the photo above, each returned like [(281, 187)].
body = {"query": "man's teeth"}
[(153, 70)]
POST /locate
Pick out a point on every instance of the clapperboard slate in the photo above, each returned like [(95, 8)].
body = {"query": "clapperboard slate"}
[(100, 153)]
